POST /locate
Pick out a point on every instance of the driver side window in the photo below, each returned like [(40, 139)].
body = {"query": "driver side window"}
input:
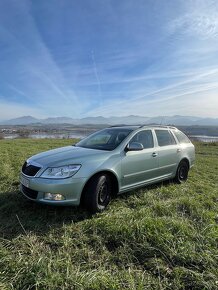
[(145, 138)]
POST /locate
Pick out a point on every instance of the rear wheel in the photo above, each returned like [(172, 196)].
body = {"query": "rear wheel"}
[(97, 193), (182, 172)]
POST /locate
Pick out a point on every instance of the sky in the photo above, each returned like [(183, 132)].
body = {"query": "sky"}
[(108, 58)]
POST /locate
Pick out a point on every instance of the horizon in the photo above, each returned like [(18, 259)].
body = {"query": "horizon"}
[(112, 116), (104, 58)]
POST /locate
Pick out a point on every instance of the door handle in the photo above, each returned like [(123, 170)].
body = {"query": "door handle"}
[(178, 150), (154, 154)]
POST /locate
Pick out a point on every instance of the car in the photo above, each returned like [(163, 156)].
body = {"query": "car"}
[(106, 163)]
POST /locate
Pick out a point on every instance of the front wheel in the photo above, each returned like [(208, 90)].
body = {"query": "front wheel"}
[(182, 172), (98, 192)]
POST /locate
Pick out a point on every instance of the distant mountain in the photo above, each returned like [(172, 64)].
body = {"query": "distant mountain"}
[(25, 120), (132, 119)]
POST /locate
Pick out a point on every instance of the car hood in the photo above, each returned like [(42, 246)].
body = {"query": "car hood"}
[(65, 156)]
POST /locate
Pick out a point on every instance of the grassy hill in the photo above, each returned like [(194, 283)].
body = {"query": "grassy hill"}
[(159, 237)]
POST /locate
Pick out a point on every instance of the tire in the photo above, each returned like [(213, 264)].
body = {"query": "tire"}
[(97, 193), (182, 172)]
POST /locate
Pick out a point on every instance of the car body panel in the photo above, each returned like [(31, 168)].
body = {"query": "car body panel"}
[(65, 155), (137, 166), (130, 168), (168, 159), (71, 188)]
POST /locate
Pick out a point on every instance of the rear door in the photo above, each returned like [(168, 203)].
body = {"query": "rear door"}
[(140, 166), (168, 152)]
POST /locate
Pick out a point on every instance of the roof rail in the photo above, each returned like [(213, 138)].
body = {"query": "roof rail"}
[(160, 126), (147, 125), (124, 125)]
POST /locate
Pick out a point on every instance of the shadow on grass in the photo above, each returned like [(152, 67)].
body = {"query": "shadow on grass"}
[(138, 191), (19, 215)]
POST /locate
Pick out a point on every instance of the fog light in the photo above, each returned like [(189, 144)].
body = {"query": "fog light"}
[(53, 196)]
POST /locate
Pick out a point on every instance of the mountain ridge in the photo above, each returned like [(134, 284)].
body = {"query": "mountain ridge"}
[(113, 120)]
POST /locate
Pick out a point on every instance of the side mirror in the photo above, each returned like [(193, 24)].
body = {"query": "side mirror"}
[(134, 146)]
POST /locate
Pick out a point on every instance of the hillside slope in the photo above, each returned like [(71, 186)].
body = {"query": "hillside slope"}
[(159, 237)]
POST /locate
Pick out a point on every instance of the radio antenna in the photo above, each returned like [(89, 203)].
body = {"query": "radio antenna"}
[(162, 119)]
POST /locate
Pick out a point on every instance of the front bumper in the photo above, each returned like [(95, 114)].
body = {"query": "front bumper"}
[(35, 187)]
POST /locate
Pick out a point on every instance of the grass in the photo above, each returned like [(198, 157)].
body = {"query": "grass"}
[(163, 236)]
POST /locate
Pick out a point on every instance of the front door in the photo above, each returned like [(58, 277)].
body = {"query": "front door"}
[(140, 166)]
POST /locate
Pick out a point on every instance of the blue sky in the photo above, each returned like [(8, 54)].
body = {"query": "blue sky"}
[(110, 58)]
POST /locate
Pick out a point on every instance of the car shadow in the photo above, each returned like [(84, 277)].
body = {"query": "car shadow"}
[(139, 190), (19, 215)]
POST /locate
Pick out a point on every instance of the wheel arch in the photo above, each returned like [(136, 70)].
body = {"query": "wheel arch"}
[(186, 160), (115, 183)]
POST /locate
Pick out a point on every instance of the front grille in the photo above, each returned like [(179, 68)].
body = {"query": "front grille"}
[(29, 192), (30, 170)]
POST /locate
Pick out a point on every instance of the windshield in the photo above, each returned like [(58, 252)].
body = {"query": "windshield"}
[(107, 139)]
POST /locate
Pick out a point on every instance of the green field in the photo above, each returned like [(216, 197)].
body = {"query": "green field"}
[(159, 237)]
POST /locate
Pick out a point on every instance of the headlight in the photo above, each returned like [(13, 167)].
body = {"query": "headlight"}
[(60, 172)]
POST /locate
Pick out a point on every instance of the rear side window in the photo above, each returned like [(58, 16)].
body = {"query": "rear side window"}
[(165, 137), (182, 138)]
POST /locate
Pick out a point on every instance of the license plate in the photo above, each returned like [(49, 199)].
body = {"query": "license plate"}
[(24, 181)]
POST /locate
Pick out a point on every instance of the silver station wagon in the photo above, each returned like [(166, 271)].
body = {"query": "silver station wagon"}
[(111, 161)]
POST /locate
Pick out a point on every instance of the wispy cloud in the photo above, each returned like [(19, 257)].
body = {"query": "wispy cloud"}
[(197, 24), (45, 79), (204, 82), (108, 58), (97, 76)]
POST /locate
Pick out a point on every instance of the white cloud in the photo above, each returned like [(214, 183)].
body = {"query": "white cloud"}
[(200, 20), (203, 26)]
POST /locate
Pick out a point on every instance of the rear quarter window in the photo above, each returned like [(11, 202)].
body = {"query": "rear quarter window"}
[(181, 137)]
